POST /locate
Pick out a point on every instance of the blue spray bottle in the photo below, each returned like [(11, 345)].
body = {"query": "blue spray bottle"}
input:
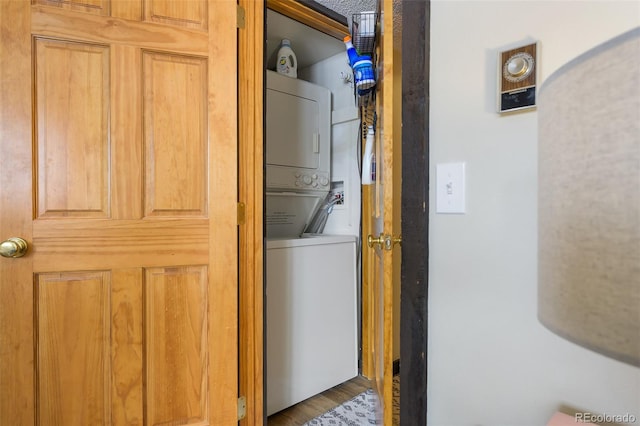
[(362, 66)]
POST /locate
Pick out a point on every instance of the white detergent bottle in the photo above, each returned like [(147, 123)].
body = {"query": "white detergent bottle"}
[(368, 159), (287, 62)]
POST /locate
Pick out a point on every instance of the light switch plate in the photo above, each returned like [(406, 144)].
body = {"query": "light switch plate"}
[(450, 188)]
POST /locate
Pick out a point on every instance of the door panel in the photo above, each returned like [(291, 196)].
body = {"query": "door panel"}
[(124, 310), (292, 146), (126, 346), (176, 334), (381, 218), (99, 7), (60, 245), (175, 134), (114, 31), (72, 348), (190, 14), (72, 137)]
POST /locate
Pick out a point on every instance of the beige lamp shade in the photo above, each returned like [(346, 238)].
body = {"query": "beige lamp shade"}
[(589, 200)]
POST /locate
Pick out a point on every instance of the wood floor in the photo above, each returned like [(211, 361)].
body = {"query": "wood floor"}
[(319, 404)]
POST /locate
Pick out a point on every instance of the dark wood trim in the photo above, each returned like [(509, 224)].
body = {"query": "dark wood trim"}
[(325, 11), (415, 212), (396, 367)]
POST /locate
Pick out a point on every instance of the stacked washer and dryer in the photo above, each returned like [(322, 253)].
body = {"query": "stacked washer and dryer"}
[(311, 291)]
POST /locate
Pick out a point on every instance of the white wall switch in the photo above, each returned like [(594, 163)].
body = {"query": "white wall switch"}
[(450, 182)]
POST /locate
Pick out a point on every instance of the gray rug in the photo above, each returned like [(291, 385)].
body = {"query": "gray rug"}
[(360, 410)]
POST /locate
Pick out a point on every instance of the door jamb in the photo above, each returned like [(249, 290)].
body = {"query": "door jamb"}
[(250, 192), (251, 51)]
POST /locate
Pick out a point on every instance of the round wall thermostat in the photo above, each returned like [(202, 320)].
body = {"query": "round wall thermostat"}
[(518, 67), (517, 78)]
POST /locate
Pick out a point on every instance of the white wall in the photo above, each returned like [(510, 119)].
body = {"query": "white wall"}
[(490, 361), (345, 125)]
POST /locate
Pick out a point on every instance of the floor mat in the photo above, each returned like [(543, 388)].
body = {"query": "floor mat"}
[(360, 410), (396, 400)]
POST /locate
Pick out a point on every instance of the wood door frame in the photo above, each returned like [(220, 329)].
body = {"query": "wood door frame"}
[(415, 168), (251, 332)]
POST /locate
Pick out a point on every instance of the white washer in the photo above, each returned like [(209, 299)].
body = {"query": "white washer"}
[(311, 317)]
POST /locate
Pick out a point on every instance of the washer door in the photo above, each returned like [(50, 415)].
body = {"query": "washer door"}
[(288, 213)]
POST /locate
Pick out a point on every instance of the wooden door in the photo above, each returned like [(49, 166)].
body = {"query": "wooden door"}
[(381, 219), (118, 166)]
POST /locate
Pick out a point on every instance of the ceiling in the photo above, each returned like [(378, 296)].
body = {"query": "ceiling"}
[(347, 8)]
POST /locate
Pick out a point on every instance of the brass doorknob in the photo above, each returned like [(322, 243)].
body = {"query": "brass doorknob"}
[(371, 240), (13, 247), (385, 241)]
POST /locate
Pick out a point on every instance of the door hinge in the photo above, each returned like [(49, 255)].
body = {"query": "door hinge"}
[(242, 407), (242, 213), (241, 17)]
